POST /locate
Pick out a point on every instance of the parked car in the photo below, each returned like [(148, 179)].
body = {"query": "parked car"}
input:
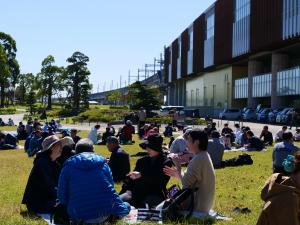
[(230, 114), (285, 118), (263, 115), (273, 114), (165, 110), (249, 115), (282, 114)]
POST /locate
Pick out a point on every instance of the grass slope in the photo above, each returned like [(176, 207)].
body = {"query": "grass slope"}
[(236, 187)]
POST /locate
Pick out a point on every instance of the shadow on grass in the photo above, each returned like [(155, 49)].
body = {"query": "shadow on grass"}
[(29, 215)]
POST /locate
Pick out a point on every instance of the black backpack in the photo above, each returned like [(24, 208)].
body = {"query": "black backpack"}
[(172, 206)]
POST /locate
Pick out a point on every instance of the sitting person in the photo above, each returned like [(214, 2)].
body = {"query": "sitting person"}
[(227, 141), (255, 144), (2, 122), (10, 122), (226, 130), (86, 187), (243, 141), (34, 143), (41, 189), (7, 141), (109, 131), (147, 183), (278, 136), (127, 132), (67, 150), (29, 127), (65, 133), (297, 135), (74, 135), (215, 149), (93, 135), (282, 196), (22, 135), (267, 136), (238, 132), (46, 127), (119, 160), (168, 130), (282, 150), (199, 175), (179, 144)]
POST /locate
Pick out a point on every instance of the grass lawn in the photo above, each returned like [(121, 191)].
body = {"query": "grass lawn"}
[(236, 186)]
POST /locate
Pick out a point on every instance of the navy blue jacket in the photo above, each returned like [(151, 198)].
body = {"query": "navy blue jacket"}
[(86, 188)]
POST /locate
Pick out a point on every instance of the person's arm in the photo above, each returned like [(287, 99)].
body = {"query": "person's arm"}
[(63, 187), (192, 174)]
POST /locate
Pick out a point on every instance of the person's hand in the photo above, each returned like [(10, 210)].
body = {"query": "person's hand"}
[(134, 175), (172, 172)]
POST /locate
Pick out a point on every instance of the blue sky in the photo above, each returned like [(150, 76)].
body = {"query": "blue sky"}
[(118, 36)]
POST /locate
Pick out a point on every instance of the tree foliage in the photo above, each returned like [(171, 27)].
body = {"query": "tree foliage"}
[(50, 79), (7, 80), (77, 80), (114, 96), (143, 96)]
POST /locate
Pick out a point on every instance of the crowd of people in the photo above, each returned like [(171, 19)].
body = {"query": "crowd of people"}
[(67, 172)]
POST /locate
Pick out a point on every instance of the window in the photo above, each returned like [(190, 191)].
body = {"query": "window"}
[(191, 39), (179, 48), (241, 9), (210, 25)]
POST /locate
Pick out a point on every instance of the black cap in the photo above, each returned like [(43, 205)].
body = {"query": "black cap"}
[(153, 142)]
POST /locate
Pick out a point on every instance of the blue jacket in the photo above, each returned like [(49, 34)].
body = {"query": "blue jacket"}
[(86, 188)]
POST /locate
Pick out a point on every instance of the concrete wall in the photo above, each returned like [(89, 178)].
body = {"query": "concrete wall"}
[(211, 90)]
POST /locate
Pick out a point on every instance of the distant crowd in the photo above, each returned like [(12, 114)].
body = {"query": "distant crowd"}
[(68, 173)]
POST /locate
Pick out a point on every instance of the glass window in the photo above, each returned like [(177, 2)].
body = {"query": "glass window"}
[(210, 25), (191, 39), (241, 9), (179, 48)]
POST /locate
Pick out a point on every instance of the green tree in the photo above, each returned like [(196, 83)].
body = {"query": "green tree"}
[(49, 79), (77, 79), (30, 102), (10, 49), (114, 96), (143, 96), (27, 82), (4, 71)]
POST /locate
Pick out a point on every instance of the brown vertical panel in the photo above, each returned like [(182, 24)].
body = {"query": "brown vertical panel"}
[(184, 51), (266, 24), (166, 64), (199, 36), (223, 31), (174, 59)]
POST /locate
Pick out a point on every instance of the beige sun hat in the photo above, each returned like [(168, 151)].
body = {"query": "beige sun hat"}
[(52, 140)]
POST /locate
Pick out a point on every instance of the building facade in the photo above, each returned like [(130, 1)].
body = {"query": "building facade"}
[(237, 53)]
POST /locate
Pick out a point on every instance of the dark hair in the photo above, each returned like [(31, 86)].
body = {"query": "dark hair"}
[(284, 127), (201, 136), (287, 136), (250, 133), (215, 134), (97, 126), (266, 127), (226, 125), (236, 125)]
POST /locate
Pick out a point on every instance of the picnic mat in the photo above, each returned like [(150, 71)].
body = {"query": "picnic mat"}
[(148, 215), (137, 216), (243, 150)]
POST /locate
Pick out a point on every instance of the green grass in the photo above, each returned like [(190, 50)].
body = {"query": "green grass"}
[(236, 186)]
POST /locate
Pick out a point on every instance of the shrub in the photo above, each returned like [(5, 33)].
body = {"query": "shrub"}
[(6, 111), (118, 107)]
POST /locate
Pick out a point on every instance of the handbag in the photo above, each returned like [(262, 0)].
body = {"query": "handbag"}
[(172, 206)]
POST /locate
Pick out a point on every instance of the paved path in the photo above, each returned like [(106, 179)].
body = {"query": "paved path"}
[(255, 127)]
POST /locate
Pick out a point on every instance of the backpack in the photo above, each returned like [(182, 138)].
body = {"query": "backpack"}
[(172, 206)]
